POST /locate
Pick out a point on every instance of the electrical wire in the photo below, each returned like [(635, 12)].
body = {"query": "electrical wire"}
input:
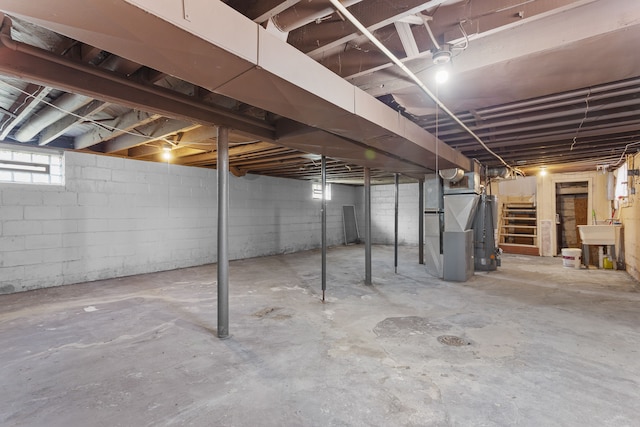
[(626, 147), (413, 77), (586, 111)]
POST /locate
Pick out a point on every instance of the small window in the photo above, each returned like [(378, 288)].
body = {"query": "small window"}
[(31, 167), (317, 191)]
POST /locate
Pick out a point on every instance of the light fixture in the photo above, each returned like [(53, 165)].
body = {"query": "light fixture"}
[(442, 55), (442, 76), (543, 171), (166, 152)]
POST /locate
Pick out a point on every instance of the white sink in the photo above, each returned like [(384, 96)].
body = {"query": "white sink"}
[(600, 234)]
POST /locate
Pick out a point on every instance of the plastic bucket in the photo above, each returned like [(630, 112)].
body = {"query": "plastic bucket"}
[(571, 257)]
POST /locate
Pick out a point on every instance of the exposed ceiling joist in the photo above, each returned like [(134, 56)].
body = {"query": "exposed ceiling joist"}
[(23, 106), (58, 128), (160, 129), (113, 128)]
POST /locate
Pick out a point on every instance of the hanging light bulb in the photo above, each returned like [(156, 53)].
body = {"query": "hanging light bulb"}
[(166, 152), (442, 76)]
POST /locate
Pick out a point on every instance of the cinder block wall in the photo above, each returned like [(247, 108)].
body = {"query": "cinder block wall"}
[(383, 212), (116, 217)]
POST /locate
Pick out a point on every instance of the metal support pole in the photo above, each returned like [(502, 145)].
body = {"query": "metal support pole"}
[(324, 225), (421, 222), (395, 224), (367, 226), (223, 232)]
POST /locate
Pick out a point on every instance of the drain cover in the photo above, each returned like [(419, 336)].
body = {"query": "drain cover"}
[(452, 340)]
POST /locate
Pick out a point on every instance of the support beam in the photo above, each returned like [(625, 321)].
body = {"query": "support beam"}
[(324, 225), (29, 99), (58, 128), (42, 67), (367, 226), (421, 221), (114, 128), (395, 223), (157, 130), (223, 232), (406, 38)]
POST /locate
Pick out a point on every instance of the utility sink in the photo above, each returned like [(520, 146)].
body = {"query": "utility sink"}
[(608, 234)]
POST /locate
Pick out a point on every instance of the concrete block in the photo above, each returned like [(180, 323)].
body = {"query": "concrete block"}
[(21, 258), (43, 241), (59, 226), (22, 197), (96, 173), (11, 213), (11, 273), (60, 255), (92, 199), (80, 159), (110, 162), (64, 198), (41, 212), (12, 243), (21, 228)]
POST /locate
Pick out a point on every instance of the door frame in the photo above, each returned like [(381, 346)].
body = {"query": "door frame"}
[(565, 179)]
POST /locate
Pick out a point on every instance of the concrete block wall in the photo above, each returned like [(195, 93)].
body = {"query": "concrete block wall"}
[(116, 217), (277, 215), (383, 212)]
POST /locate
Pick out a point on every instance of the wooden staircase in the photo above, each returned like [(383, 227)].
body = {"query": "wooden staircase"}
[(518, 228)]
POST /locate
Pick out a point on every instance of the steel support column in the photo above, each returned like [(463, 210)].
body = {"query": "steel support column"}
[(395, 223), (421, 221), (223, 232), (367, 226), (324, 225)]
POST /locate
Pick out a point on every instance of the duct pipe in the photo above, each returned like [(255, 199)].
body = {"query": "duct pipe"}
[(421, 221), (324, 225), (395, 225), (367, 226), (304, 13), (223, 231), (35, 52)]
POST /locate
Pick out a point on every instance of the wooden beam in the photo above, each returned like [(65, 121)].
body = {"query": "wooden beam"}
[(233, 151)]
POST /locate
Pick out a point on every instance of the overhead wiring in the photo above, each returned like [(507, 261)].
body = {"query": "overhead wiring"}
[(586, 111), (416, 80)]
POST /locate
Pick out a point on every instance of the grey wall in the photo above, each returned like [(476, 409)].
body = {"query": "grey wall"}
[(116, 217), (383, 212)]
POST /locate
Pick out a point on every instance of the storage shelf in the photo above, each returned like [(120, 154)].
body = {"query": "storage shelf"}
[(518, 225)]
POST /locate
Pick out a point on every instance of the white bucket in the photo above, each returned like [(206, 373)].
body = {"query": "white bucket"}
[(571, 257)]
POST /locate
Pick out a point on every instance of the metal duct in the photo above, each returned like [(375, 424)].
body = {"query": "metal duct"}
[(451, 175), (231, 55), (304, 13)]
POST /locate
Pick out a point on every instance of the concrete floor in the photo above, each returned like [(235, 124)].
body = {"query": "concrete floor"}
[(540, 345)]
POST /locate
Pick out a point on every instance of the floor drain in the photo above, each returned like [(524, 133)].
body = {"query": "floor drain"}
[(452, 340)]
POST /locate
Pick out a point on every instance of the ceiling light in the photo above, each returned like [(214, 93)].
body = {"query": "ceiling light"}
[(442, 76), (442, 55), (543, 171), (166, 153)]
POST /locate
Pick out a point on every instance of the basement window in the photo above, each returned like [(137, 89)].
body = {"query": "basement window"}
[(24, 166), (317, 191)]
